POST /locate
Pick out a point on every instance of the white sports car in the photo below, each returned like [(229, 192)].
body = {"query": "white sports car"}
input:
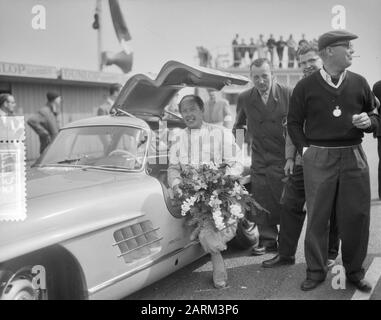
[(100, 220)]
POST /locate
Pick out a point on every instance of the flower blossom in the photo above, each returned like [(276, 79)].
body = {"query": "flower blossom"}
[(236, 211), (218, 219), (231, 221), (214, 201), (233, 171), (212, 166), (187, 204)]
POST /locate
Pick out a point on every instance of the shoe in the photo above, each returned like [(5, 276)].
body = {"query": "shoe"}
[(220, 275), (258, 251), (310, 284), (271, 249), (261, 250), (362, 285), (330, 263), (278, 261)]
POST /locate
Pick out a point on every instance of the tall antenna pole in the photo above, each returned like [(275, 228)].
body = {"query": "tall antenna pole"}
[(98, 11)]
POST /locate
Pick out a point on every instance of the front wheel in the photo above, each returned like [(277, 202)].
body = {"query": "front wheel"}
[(247, 235), (50, 274), (21, 284)]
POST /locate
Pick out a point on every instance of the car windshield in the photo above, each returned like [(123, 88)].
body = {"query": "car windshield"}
[(113, 147)]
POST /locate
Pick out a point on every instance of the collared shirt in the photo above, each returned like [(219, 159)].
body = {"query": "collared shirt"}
[(265, 95), (193, 147), (3, 113), (105, 108), (327, 78), (217, 112)]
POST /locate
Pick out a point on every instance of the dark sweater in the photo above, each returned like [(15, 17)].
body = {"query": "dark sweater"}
[(311, 121)]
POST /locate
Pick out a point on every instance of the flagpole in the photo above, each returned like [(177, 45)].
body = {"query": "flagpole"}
[(99, 12)]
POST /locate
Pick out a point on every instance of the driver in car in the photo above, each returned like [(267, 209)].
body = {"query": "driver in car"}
[(214, 148)]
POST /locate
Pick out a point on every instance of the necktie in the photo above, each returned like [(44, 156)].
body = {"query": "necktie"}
[(265, 97)]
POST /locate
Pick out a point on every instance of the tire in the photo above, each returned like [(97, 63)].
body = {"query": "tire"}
[(18, 284), (247, 235), (40, 276)]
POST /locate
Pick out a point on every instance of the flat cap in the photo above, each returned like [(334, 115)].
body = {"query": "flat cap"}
[(51, 96), (331, 37)]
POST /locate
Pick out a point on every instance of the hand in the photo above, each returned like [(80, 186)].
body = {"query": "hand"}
[(289, 167), (361, 121), (177, 191)]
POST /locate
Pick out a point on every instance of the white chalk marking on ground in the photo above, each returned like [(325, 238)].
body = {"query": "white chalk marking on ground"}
[(372, 275)]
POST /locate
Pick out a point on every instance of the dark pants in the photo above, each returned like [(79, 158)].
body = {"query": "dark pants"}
[(336, 178), (379, 166), (291, 57), (280, 56), (44, 142), (267, 191), (292, 218)]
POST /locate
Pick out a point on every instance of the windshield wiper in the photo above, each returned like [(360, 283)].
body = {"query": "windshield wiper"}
[(69, 160), (107, 167), (58, 165)]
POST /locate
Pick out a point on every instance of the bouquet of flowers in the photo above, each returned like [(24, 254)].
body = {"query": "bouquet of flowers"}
[(213, 192)]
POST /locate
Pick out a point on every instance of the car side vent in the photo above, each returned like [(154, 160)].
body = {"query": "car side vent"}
[(137, 241)]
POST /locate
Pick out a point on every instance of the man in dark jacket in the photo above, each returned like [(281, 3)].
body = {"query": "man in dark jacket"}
[(329, 113), (264, 109), (45, 121)]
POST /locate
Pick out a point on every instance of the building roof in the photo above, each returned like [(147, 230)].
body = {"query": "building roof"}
[(30, 72)]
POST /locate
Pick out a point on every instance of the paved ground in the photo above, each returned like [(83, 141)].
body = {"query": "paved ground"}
[(248, 280)]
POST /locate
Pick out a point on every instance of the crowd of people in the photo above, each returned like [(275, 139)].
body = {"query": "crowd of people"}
[(311, 137), (262, 48), (45, 121)]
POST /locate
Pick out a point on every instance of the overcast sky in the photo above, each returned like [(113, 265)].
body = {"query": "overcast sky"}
[(171, 29)]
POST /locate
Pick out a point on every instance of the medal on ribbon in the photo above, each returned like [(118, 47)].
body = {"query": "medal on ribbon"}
[(337, 112)]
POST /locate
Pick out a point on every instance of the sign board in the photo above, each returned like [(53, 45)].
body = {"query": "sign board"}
[(27, 70), (92, 76)]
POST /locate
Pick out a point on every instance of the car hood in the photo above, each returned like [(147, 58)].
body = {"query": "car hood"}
[(62, 205), (47, 181), (146, 96)]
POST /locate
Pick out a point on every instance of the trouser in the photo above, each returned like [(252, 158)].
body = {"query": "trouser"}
[(336, 178), (291, 57), (236, 57), (280, 56), (44, 142), (271, 50), (293, 216), (379, 166), (267, 191), (214, 241)]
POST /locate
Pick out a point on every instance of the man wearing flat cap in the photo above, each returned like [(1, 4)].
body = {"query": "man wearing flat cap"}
[(329, 113), (45, 121)]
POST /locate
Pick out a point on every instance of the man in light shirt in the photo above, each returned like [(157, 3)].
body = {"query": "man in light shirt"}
[(105, 108), (217, 110), (200, 143)]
